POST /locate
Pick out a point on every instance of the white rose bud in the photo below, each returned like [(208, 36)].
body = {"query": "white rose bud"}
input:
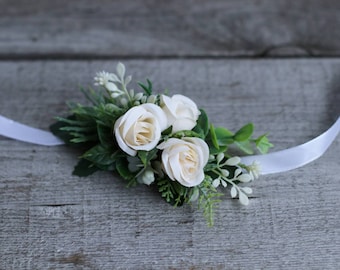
[(184, 160), (140, 128), (181, 111)]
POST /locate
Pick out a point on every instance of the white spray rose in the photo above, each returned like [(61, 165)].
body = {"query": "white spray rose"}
[(140, 128), (181, 111), (184, 160)]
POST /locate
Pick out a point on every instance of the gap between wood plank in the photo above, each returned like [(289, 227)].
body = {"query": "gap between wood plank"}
[(85, 57)]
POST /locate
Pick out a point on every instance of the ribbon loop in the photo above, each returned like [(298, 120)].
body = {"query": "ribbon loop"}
[(295, 157)]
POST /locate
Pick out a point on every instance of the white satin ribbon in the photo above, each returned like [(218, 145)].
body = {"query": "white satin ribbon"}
[(274, 162), (20, 132), (295, 157)]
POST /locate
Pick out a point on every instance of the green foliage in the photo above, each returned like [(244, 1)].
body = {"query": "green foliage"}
[(173, 192), (147, 156), (94, 97), (84, 168), (74, 130), (147, 88), (263, 144), (224, 137), (244, 133), (166, 189), (245, 146), (102, 157), (202, 126), (208, 200), (123, 171)]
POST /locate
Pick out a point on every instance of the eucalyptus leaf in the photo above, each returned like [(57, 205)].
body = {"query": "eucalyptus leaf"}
[(213, 136), (224, 136), (245, 147), (244, 133)]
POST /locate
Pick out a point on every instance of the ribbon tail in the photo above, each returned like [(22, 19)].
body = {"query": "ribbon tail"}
[(295, 157), (274, 162), (20, 132)]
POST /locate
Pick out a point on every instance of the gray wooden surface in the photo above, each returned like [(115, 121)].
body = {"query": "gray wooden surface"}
[(50, 219), (168, 28)]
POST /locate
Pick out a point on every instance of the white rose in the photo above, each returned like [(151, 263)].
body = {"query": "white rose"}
[(140, 128), (181, 111), (184, 160)]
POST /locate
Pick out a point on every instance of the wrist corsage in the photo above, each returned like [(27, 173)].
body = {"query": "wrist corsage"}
[(161, 140)]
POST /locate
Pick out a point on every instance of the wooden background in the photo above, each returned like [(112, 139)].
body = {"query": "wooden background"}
[(275, 63)]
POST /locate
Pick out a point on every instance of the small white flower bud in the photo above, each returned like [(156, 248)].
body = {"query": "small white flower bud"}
[(151, 99), (124, 101), (216, 182), (115, 94), (233, 161), (138, 96), (147, 177), (225, 173), (244, 178), (219, 157)]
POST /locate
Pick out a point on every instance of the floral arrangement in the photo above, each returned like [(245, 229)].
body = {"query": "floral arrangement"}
[(161, 140)]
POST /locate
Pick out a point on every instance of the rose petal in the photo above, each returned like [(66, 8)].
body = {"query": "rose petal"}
[(158, 113), (120, 141), (130, 118)]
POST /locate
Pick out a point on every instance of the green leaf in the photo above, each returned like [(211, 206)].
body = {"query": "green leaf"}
[(83, 138), (101, 156), (202, 126), (214, 151), (122, 169), (166, 189), (245, 147), (244, 133), (263, 144), (92, 96), (84, 168), (213, 136), (56, 129), (224, 136), (147, 89), (147, 156), (72, 121), (68, 130), (167, 131), (105, 135), (77, 129), (84, 112)]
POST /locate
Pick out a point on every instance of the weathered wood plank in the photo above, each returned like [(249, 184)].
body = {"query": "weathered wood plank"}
[(81, 29), (50, 219)]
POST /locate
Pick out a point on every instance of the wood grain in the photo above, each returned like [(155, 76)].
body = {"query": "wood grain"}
[(50, 219), (152, 28)]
